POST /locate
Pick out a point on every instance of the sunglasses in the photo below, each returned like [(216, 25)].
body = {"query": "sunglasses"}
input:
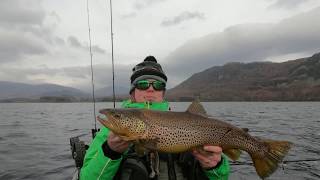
[(145, 84)]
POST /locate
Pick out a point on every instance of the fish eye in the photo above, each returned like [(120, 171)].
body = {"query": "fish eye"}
[(117, 116)]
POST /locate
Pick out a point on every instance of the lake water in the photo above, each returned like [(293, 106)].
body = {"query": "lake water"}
[(34, 137)]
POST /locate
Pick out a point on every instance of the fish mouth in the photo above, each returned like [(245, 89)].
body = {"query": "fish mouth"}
[(106, 119)]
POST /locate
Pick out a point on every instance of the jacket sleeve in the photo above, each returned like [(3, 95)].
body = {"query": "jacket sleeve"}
[(221, 172), (96, 165)]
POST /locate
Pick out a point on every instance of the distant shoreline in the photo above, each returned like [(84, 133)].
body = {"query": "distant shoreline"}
[(119, 101), (72, 99)]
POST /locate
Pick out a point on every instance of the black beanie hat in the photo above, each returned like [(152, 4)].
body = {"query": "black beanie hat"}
[(148, 69)]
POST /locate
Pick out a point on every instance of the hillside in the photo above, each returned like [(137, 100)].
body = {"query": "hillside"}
[(296, 80), (21, 92), (107, 91)]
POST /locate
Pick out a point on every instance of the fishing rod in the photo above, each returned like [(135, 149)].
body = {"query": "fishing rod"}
[(112, 57), (78, 148), (92, 80), (92, 74), (236, 163)]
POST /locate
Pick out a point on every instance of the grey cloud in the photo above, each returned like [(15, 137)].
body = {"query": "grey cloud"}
[(103, 75), (287, 4), (129, 15), (97, 49), (141, 4), (247, 42), (23, 31), (138, 5), (13, 12), (26, 17), (13, 46), (39, 32), (59, 41), (55, 16), (184, 16), (26, 40), (74, 42)]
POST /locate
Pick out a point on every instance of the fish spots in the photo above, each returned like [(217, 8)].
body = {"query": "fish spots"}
[(140, 127), (174, 138)]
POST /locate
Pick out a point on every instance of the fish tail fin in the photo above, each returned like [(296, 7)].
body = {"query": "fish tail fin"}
[(267, 163)]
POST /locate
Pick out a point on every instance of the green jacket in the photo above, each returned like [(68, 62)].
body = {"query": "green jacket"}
[(97, 166)]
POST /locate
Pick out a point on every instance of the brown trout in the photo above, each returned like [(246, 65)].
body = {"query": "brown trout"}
[(175, 132)]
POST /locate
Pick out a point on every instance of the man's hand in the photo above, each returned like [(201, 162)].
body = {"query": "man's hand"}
[(211, 158), (116, 143)]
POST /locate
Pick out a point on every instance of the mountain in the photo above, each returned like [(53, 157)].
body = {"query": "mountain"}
[(295, 80), (107, 91), (14, 90)]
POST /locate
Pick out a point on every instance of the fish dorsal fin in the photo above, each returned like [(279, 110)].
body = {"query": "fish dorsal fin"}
[(197, 108)]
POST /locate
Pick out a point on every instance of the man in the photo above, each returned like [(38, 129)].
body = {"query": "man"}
[(110, 157)]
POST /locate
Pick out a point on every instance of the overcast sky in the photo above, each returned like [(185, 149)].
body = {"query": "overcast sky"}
[(43, 41)]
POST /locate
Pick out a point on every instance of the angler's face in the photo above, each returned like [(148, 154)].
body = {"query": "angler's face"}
[(149, 94)]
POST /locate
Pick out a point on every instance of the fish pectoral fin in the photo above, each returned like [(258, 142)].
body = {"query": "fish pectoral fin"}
[(233, 154), (150, 143)]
